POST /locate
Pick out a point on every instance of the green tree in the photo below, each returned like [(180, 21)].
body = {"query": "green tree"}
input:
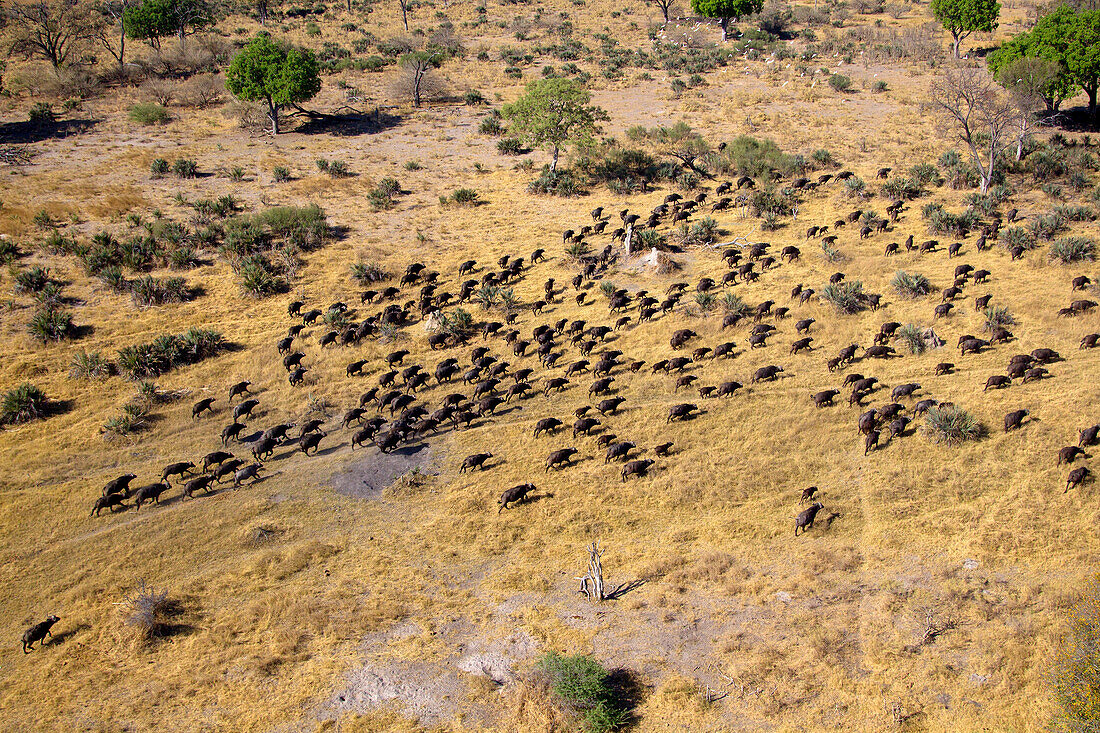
[(276, 75), (1028, 81), (1072, 39), (152, 20), (726, 9), (678, 141), (551, 112), (1020, 62), (963, 17)]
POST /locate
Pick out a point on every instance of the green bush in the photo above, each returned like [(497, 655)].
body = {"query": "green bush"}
[(910, 285), (159, 168), (926, 174), (167, 352), (366, 273), (42, 113), (1046, 226), (997, 317), (490, 125), (584, 687), (733, 304), (1017, 237), (32, 280), (846, 297), (913, 337), (510, 146), (942, 221), (112, 277), (89, 365), (149, 290), (951, 425), (149, 113), (840, 83), (879, 87), (50, 324), (280, 174), (21, 404), (823, 158), (185, 168), (258, 277), (9, 250), (335, 168), (1073, 249), (902, 188)]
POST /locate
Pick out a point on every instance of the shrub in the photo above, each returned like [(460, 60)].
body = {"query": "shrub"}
[(823, 158), (149, 611), (902, 188), (159, 168), (913, 337), (910, 285), (840, 83), (185, 168), (149, 290), (704, 231), (458, 323), (926, 174), (474, 98), (89, 365), (652, 239), (130, 420), (490, 125), (879, 87), (335, 168), (1074, 213), (366, 273), (831, 254), (9, 250), (236, 174), (257, 276), (113, 278), (463, 197), (846, 297), (32, 280), (413, 165), (510, 146), (1045, 226), (1017, 237), (149, 113), (280, 174), (555, 183), (951, 425), (856, 187), (167, 352), (21, 404), (996, 317), (584, 687), (42, 113), (942, 221), (577, 250), (1073, 249), (732, 303)]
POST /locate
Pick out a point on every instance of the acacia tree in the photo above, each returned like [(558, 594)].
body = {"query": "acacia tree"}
[(978, 115), (114, 17), (416, 78), (726, 9), (552, 112), (678, 141), (152, 20), (664, 5), (52, 29), (406, 6), (963, 17), (267, 72)]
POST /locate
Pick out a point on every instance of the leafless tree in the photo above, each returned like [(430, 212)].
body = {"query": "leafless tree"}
[(52, 29), (664, 5), (113, 14), (977, 114), (1028, 81), (417, 79)]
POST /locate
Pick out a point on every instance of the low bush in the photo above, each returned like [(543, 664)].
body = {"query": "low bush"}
[(1073, 249), (846, 297), (1046, 226), (280, 174), (149, 611), (903, 188), (185, 168), (1017, 237), (942, 221), (490, 125), (366, 273), (912, 336), (910, 285), (149, 113), (510, 146), (89, 365), (951, 425), (555, 183), (257, 276), (50, 324), (840, 83), (149, 290), (146, 360), (32, 280), (159, 168), (9, 250), (584, 687), (21, 404), (997, 317)]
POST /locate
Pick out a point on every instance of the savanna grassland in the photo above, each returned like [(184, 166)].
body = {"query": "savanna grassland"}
[(355, 590)]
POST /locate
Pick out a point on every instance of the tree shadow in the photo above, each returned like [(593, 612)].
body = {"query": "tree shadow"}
[(350, 124), (627, 691), (32, 132)]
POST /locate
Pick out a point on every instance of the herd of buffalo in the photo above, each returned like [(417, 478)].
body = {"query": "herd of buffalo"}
[(409, 402)]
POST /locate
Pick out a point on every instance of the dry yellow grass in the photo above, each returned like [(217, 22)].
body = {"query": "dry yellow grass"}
[(822, 632)]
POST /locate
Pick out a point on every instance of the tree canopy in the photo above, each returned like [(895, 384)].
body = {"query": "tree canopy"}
[(264, 71), (552, 112), (152, 20), (1069, 37), (726, 9), (52, 29), (416, 68), (678, 141), (963, 17)]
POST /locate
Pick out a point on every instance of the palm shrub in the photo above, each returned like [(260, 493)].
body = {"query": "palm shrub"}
[(49, 324), (22, 403), (149, 290), (951, 425), (846, 297), (89, 365), (185, 168), (1017, 237), (732, 304), (366, 273), (910, 284), (1045, 226), (1073, 249), (913, 337), (32, 280), (997, 317)]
